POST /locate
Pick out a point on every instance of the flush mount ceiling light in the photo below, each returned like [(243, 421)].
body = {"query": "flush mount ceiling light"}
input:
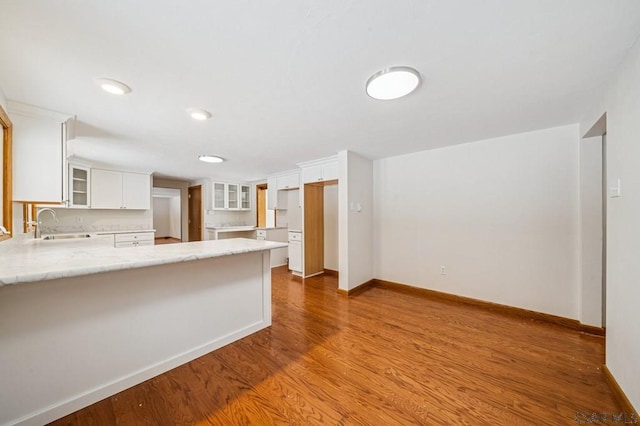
[(393, 83), (210, 158), (199, 114), (113, 86)]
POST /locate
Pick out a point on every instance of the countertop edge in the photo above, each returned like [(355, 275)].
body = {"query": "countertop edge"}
[(158, 255)]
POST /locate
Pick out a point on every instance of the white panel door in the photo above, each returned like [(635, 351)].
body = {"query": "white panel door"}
[(106, 189), (136, 191)]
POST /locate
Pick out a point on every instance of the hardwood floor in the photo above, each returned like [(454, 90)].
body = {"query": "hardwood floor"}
[(167, 240), (379, 358)]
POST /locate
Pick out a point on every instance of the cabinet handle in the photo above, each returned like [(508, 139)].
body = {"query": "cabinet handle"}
[(319, 178)]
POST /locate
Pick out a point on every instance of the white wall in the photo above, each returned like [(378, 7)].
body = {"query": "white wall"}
[(175, 217), (502, 215), (355, 220), (294, 211), (622, 106), (331, 227), (591, 217), (161, 215)]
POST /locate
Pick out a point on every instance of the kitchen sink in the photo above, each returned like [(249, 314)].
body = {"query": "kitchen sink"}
[(65, 236)]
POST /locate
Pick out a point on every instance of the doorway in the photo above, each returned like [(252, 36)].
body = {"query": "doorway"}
[(266, 218), (167, 215), (320, 228), (593, 218), (195, 213)]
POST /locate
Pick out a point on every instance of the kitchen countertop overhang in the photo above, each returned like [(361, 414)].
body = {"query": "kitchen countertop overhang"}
[(28, 260)]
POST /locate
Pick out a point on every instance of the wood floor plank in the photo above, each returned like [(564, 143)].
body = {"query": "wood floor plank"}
[(381, 357)]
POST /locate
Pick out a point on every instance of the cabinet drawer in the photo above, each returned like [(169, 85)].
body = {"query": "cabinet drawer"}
[(295, 236), (140, 237)]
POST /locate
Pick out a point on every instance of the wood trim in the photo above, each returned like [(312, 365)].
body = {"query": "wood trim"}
[(617, 391), (7, 175), (313, 234), (358, 289), (330, 272), (496, 307)]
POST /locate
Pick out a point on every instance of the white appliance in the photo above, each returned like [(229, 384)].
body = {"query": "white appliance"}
[(295, 251)]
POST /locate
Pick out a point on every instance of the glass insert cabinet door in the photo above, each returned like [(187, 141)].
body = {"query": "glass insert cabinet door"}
[(219, 192), (232, 191), (245, 197), (79, 186)]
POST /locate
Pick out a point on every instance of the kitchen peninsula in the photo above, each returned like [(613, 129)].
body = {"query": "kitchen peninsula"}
[(81, 320)]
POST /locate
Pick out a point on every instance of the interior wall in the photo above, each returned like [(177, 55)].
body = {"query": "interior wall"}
[(622, 106), (161, 216), (591, 218), (294, 211), (175, 217), (331, 227), (355, 220), (501, 215)]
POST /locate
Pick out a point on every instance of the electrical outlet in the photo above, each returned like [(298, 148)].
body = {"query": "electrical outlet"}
[(443, 270)]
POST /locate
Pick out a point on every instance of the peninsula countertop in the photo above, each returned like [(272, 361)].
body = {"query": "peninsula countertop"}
[(28, 259)]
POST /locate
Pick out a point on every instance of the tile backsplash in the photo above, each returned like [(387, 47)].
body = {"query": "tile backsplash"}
[(84, 220)]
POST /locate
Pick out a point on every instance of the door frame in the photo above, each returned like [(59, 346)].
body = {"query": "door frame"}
[(189, 212)]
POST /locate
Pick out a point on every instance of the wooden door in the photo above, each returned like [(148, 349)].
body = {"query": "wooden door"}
[(261, 201), (195, 213), (313, 229)]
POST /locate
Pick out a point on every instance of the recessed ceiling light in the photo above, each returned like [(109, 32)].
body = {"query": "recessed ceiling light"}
[(199, 114), (113, 86), (393, 83), (210, 158)]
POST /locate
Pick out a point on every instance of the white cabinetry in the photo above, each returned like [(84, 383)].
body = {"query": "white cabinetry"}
[(272, 193), (111, 189), (320, 171), (39, 153), (295, 251), (288, 181), (79, 186), (135, 239), (231, 196)]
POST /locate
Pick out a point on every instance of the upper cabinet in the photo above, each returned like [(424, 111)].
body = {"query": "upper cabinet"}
[(39, 153), (288, 181), (111, 189), (79, 186), (231, 196), (319, 171)]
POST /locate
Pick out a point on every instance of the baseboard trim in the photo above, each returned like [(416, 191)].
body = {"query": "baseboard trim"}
[(617, 391), (358, 289), (496, 307), (331, 272)]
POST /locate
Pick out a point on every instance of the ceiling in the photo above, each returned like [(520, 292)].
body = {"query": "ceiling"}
[(284, 79)]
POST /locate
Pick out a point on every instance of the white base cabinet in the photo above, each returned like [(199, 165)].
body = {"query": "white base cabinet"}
[(295, 251), (137, 239)]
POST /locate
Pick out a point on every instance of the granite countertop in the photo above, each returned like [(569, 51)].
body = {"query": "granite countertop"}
[(27, 259)]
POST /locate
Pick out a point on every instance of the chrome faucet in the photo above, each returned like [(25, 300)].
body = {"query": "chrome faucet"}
[(38, 232)]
